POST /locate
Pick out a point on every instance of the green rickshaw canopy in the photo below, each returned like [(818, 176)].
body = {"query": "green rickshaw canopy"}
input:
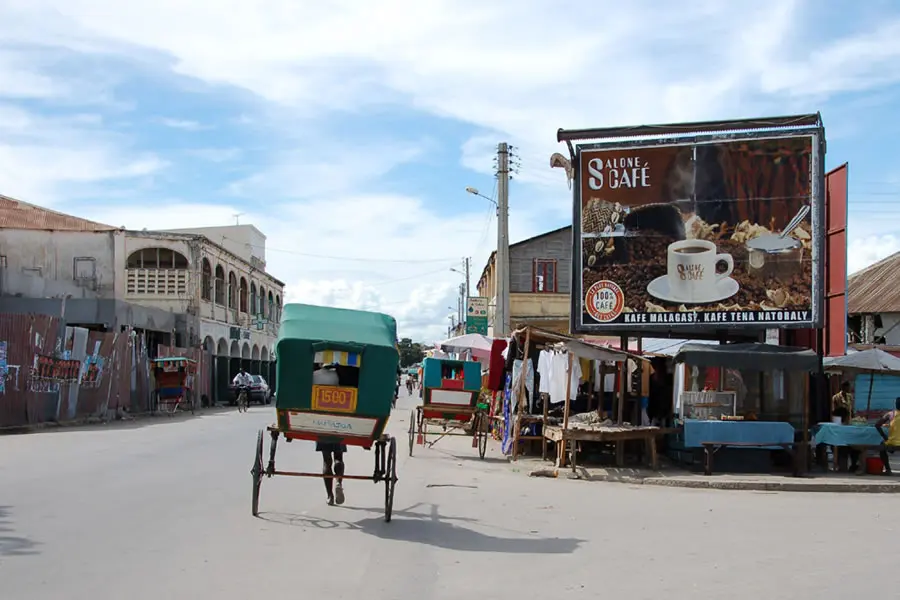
[(342, 325), (354, 338)]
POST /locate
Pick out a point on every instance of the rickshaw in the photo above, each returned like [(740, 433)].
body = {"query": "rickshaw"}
[(174, 383), (362, 347), (450, 400)]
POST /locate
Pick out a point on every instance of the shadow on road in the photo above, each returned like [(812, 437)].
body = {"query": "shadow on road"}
[(497, 460), (11, 545), (434, 530)]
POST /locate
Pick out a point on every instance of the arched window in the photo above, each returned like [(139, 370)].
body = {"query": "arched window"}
[(232, 290), (271, 313), (156, 258), (242, 295), (254, 307), (262, 302), (277, 308), (156, 272), (206, 280), (220, 285)]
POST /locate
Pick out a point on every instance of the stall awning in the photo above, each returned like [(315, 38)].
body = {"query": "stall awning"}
[(578, 347), (749, 357)]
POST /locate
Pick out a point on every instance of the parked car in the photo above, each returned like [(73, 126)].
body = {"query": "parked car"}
[(259, 391)]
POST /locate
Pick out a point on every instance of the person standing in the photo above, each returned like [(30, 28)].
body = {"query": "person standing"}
[(891, 437), (842, 407), (842, 404)]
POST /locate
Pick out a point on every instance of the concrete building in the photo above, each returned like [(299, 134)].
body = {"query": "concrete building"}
[(192, 288), (539, 279)]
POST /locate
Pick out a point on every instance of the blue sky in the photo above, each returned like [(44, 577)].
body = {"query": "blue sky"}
[(350, 129)]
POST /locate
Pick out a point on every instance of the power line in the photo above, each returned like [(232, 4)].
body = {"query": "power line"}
[(344, 258)]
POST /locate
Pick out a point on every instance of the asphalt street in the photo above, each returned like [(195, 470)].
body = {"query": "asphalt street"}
[(160, 508)]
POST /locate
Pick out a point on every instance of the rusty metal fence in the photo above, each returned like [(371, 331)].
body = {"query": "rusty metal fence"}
[(53, 373)]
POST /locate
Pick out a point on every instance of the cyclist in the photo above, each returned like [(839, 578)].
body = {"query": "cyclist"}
[(242, 383)]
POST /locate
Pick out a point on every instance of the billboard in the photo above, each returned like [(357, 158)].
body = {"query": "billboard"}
[(714, 232), (477, 315)]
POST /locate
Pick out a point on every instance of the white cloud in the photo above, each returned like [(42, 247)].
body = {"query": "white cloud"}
[(862, 252), (510, 70), (48, 159), (216, 155), (183, 124), (402, 251)]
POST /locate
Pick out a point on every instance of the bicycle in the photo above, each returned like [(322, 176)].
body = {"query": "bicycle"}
[(242, 400)]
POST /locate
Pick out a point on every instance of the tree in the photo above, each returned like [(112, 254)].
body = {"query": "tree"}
[(411, 352)]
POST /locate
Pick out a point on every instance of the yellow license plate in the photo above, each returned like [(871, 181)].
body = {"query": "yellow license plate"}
[(331, 398)]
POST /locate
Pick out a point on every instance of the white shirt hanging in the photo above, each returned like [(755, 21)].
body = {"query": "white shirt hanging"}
[(558, 367), (545, 360)]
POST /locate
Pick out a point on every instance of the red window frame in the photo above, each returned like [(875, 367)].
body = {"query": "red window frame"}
[(540, 268)]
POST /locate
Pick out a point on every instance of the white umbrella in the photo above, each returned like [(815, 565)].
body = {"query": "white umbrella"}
[(477, 344), (873, 360)]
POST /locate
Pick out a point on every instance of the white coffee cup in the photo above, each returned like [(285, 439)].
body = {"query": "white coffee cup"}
[(692, 270)]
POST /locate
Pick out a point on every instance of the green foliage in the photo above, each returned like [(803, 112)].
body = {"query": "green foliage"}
[(411, 353)]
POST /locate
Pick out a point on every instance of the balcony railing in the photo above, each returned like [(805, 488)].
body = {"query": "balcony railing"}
[(157, 282)]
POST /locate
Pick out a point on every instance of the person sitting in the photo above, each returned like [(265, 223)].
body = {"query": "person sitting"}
[(325, 375), (892, 437)]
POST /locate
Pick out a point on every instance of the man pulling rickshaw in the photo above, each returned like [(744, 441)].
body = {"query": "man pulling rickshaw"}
[(336, 382)]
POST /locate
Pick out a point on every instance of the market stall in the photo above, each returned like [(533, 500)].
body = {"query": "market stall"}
[(857, 433), (758, 409), (564, 355)]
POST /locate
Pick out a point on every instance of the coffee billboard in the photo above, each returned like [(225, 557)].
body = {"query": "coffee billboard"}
[(717, 233)]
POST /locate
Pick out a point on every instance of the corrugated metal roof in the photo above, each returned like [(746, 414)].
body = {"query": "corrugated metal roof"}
[(15, 214), (668, 347), (657, 346), (875, 289)]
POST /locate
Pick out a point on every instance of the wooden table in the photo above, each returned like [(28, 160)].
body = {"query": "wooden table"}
[(608, 433)]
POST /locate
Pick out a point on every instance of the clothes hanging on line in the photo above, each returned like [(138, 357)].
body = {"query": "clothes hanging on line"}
[(529, 383), (544, 370), (609, 377), (558, 368)]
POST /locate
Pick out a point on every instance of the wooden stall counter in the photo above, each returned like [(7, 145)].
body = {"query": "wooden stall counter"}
[(617, 434)]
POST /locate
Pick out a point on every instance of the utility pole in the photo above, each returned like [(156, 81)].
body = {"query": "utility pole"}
[(501, 315), (466, 262)]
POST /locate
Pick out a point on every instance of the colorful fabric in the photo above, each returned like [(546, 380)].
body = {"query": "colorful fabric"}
[(509, 413), (894, 431), (347, 359)]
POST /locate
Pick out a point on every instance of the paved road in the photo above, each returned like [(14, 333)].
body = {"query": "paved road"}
[(162, 510)]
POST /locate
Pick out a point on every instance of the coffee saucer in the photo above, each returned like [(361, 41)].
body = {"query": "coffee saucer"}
[(725, 288)]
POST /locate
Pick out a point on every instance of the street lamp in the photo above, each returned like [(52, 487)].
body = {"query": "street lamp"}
[(475, 192)]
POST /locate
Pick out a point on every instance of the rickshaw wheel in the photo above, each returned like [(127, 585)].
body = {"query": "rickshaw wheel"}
[(412, 430), (483, 427), (257, 473), (390, 480)]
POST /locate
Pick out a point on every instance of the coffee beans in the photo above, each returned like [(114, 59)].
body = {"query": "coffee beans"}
[(643, 258)]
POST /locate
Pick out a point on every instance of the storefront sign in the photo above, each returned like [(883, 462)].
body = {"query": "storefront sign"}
[(477, 315), (331, 425), (708, 233), (329, 398)]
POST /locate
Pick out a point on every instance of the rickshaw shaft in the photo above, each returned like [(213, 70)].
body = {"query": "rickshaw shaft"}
[(323, 476)]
